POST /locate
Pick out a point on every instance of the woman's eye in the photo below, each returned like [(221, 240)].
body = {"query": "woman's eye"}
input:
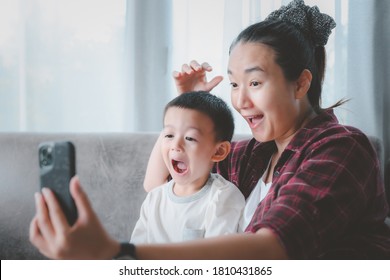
[(168, 136), (233, 85), (255, 83)]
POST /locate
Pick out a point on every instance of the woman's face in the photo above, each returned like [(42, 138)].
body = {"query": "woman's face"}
[(261, 94)]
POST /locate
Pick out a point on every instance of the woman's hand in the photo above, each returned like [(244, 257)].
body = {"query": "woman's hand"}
[(193, 78), (52, 235)]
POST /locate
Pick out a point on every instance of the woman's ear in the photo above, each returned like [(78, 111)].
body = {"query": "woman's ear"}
[(303, 84), (223, 149)]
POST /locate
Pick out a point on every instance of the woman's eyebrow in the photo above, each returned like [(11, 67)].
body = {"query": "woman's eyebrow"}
[(254, 69), (249, 70)]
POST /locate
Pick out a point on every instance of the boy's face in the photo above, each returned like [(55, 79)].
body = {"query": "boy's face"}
[(188, 146)]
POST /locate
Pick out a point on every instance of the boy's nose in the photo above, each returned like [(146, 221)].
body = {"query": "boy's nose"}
[(176, 146), (176, 149)]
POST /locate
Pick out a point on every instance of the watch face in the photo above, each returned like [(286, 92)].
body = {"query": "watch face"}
[(124, 257), (127, 252)]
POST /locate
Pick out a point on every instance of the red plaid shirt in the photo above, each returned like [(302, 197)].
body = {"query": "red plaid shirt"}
[(327, 198)]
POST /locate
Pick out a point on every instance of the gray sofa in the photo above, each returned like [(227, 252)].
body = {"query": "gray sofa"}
[(111, 168)]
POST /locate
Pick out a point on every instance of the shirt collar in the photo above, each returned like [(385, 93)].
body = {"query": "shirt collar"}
[(304, 134)]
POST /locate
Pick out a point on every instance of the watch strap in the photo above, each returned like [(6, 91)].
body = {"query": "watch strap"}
[(126, 252)]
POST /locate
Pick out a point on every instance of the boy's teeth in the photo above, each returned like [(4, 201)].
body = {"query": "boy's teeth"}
[(181, 165)]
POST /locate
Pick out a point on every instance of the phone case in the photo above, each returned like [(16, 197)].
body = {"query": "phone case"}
[(57, 167)]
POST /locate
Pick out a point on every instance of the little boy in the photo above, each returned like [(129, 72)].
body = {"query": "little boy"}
[(198, 128)]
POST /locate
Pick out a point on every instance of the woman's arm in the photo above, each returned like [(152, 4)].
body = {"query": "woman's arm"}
[(87, 239), (260, 245)]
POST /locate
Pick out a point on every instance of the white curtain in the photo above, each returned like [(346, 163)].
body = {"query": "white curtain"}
[(83, 65), (381, 74), (61, 65), (148, 72), (367, 82)]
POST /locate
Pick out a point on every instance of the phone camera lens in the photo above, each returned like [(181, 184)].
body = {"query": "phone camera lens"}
[(46, 156)]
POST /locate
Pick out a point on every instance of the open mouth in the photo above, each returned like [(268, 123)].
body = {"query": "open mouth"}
[(179, 166), (253, 120)]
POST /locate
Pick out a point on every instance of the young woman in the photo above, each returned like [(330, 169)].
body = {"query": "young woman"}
[(318, 182)]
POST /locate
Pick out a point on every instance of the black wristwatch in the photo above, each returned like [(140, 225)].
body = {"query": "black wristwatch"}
[(127, 252)]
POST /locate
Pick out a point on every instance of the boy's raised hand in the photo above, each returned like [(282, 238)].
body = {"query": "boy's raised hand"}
[(193, 78)]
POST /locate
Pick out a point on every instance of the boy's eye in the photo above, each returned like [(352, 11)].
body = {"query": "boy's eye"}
[(168, 136), (233, 85), (255, 83), (190, 138)]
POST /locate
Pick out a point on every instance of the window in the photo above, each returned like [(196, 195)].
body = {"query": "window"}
[(61, 65)]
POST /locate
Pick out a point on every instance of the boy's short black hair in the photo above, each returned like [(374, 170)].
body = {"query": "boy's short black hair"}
[(210, 105)]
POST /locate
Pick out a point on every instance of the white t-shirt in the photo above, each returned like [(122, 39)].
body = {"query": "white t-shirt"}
[(214, 210), (256, 196)]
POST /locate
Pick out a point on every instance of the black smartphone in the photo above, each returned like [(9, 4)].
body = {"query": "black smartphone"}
[(57, 162)]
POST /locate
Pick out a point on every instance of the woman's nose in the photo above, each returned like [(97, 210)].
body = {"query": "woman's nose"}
[(243, 100)]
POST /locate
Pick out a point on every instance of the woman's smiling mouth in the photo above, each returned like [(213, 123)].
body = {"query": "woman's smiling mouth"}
[(253, 121)]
